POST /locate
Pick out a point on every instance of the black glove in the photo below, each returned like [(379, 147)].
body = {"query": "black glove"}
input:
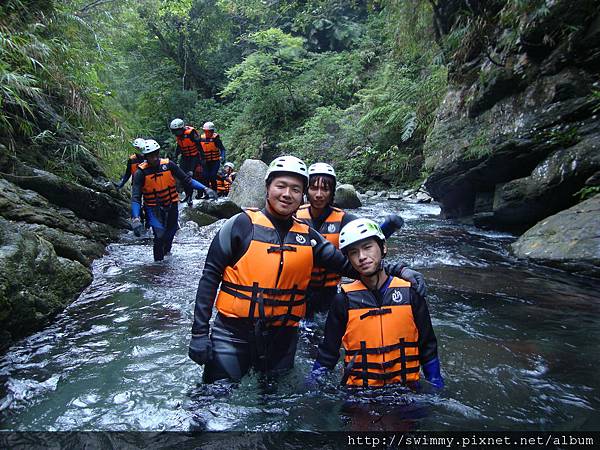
[(391, 224), (137, 226), (200, 349), (416, 279), (210, 194)]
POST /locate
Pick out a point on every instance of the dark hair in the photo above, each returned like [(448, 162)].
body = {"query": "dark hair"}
[(274, 175), (328, 182)]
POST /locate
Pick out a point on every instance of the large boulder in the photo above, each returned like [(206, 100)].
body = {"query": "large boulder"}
[(223, 208), (35, 283), (517, 133), (248, 189), (346, 197), (569, 240)]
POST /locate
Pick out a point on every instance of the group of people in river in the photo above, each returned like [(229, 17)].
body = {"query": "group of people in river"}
[(269, 269), (154, 180)]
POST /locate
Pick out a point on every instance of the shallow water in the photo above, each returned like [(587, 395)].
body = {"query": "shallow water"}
[(518, 345)]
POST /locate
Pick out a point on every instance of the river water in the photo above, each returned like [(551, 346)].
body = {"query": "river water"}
[(518, 345)]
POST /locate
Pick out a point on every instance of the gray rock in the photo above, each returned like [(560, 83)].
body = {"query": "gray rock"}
[(407, 192), (197, 216), (394, 196), (423, 197), (370, 193), (569, 240), (223, 208), (248, 189), (35, 283), (346, 197)]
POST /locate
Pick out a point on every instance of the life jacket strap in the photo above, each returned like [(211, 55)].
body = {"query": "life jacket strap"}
[(376, 312)]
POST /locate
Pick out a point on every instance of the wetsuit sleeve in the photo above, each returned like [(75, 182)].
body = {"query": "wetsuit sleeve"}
[(335, 327), (347, 219), (326, 255), (186, 179), (127, 174), (136, 191), (195, 137), (427, 340), (221, 147), (228, 245)]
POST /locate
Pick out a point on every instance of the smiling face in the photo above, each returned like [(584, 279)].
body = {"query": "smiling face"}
[(284, 195), (320, 191), (365, 256)]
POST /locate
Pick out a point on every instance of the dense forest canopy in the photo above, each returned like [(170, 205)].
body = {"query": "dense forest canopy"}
[(353, 82)]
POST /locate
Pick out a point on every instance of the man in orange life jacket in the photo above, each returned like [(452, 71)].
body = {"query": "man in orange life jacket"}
[(155, 180), (380, 320), (190, 149), (263, 260), (214, 152), (224, 179), (133, 162), (328, 220)]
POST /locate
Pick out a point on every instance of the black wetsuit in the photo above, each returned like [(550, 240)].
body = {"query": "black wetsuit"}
[(337, 320)]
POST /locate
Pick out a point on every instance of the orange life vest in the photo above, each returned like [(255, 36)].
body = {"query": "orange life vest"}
[(223, 185), (381, 343), (269, 281), (330, 229), (135, 162), (211, 151), (187, 146), (159, 187)]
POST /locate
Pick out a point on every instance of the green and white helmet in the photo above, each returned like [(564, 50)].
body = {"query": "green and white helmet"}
[(321, 168), (139, 144), (358, 230), (150, 146), (289, 164)]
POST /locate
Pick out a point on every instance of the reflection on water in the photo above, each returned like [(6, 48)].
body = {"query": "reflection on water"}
[(518, 345)]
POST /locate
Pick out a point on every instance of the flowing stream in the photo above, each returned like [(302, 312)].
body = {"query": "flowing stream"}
[(518, 345)]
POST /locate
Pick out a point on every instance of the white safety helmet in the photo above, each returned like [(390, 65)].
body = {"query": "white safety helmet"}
[(150, 146), (288, 164), (321, 168), (208, 126), (177, 124), (358, 230), (229, 164), (139, 144)]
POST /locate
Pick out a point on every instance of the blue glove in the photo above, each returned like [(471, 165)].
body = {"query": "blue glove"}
[(433, 374), (200, 349), (136, 210), (416, 279), (314, 377), (391, 224)]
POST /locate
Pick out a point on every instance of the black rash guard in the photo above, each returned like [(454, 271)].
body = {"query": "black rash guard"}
[(317, 222), (337, 320), (230, 244), (140, 176)]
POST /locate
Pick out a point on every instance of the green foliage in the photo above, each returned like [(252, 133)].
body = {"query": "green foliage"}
[(587, 192), (480, 147)]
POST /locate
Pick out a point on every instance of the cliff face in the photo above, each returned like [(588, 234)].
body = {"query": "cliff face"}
[(517, 135), (51, 229)]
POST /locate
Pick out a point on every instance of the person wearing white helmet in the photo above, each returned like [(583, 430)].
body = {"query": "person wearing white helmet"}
[(189, 147), (134, 160), (155, 181), (225, 179), (328, 220), (214, 153), (262, 260), (381, 321)]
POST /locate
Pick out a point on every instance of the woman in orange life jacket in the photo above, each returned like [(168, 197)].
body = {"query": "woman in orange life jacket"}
[(214, 153), (263, 260), (155, 181), (328, 220), (381, 321), (190, 149)]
